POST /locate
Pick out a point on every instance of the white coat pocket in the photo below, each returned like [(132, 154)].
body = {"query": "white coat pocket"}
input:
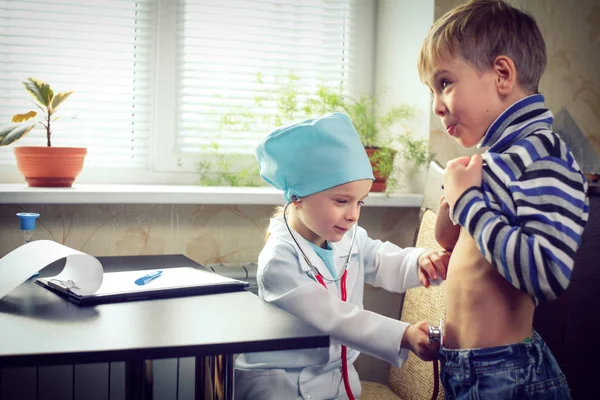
[(263, 384)]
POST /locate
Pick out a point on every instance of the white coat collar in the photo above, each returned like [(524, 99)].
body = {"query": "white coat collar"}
[(340, 249)]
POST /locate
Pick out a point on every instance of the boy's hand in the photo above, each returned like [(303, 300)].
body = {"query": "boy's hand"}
[(461, 174), (416, 339), (446, 233), (433, 264)]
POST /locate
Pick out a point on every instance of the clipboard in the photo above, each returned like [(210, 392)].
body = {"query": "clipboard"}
[(125, 286)]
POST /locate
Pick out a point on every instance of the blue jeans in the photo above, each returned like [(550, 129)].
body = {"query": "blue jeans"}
[(516, 371)]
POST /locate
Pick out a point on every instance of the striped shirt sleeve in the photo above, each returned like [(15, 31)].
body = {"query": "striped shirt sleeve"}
[(534, 250)]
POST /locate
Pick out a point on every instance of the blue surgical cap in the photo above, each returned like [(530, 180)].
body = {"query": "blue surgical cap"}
[(313, 155)]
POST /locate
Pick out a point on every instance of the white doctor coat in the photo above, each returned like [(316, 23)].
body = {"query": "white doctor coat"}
[(284, 279)]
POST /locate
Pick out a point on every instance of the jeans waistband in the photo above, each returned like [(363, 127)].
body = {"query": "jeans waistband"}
[(493, 358)]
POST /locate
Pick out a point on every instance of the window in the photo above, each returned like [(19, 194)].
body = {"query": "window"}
[(101, 50), (153, 79)]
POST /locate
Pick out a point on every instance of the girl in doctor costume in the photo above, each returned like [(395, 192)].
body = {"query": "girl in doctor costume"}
[(317, 260)]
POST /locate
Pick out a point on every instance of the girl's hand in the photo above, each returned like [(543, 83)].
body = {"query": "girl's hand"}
[(416, 339), (433, 264)]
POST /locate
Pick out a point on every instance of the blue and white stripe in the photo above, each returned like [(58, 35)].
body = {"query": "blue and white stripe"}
[(528, 216)]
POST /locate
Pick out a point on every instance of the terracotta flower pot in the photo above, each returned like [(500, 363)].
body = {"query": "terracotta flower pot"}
[(50, 166), (380, 184)]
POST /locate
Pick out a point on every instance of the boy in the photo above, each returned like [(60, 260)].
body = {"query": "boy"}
[(512, 218)]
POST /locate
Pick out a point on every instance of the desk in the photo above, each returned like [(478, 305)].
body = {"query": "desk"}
[(40, 328)]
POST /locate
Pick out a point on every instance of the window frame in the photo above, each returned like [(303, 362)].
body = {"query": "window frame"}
[(166, 160), (164, 166)]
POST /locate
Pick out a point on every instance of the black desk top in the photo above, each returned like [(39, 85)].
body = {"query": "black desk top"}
[(39, 327)]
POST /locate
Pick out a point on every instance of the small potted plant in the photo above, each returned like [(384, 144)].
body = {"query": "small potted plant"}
[(373, 131), (44, 166), (294, 103)]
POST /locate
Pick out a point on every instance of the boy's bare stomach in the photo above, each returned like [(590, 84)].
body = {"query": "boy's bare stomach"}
[(482, 308)]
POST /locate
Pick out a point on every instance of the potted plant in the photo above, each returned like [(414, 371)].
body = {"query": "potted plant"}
[(218, 169), (294, 103), (373, 131), (44, 166)]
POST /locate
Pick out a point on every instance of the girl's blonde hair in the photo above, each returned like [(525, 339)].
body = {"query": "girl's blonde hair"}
[(277, 213), (481, 30)]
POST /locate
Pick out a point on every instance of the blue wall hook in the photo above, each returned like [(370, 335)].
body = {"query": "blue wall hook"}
[(28, 224), (28, 220)]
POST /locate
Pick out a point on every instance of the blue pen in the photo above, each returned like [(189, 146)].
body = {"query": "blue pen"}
[(148, 278)]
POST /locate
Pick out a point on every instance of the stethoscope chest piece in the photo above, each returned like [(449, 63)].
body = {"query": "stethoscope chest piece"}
[(436, 333)]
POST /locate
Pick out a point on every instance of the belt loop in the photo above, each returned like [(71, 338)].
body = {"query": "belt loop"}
[(465, 365), (537, 345)]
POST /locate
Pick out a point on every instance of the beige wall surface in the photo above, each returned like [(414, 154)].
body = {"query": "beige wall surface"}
[(571, 80), (205, 233)]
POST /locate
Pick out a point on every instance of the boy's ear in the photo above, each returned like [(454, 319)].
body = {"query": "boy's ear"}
[(506, 74)]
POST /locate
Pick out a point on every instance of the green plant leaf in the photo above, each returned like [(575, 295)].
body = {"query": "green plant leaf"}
[(12, 133), (383, 161), (40, 91), (23, 117), (415, 150), (58, 99)]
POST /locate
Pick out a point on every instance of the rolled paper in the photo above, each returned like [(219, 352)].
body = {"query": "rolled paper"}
[(84, 270)]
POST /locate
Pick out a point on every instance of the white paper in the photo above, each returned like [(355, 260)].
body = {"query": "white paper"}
[(124, 281), (21, 263)]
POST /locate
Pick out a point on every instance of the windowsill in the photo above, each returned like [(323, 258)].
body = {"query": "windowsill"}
[(170, 194)]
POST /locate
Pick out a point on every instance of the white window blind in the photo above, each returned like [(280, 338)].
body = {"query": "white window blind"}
[(222, 46), (103, 52)]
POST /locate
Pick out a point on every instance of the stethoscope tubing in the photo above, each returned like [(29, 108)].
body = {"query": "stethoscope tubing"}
[(321, 279)]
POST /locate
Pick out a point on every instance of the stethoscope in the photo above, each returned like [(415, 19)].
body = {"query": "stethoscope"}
[(436, 334), (321, 279)]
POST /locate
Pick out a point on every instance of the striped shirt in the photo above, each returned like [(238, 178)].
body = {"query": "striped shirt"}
[(528, 216)]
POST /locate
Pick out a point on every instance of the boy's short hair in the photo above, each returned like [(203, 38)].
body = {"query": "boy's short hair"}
[(480, 30)]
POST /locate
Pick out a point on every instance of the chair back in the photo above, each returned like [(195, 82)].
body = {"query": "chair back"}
[(414, 381)]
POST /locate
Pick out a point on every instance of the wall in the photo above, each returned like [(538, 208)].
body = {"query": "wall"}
[(204, 233), (571, 80), (400, 26), (396, 77)]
